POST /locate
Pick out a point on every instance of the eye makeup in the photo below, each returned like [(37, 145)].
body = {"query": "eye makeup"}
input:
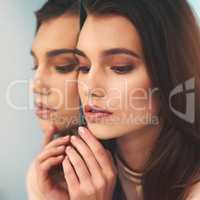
[(61, 64), (66, 68), (119, 64), (122, 69)]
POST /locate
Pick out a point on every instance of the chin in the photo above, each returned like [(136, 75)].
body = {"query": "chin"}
[(105, 132), (66, 120)]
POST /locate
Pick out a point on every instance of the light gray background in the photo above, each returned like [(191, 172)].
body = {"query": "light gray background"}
[(20, 134)]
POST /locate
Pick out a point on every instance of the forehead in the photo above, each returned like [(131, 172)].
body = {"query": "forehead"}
[(105, 32), (58, 33)]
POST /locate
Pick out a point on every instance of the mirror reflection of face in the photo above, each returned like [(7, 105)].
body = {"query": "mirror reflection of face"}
[(113, 77), (55, 80)]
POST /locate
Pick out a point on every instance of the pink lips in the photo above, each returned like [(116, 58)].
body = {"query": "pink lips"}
[(93, 112)]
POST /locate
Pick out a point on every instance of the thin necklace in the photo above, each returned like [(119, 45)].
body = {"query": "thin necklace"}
[(129, 174)]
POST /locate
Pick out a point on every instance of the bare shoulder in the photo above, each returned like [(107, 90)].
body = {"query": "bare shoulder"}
[(194, 192)]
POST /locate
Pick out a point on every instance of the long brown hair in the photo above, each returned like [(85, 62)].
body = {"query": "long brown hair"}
[(170, 38)]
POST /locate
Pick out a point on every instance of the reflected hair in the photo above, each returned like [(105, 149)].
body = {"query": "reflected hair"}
[(56, 8)]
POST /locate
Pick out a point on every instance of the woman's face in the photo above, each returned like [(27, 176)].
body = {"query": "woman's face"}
[(55, 80), (113, 76)]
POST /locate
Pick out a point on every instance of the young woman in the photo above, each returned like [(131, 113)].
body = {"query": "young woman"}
[(139, 83), (54, 85)]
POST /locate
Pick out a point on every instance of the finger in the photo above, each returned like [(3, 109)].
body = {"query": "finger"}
[(57, 142), (96, 147), (51, 153), (78, 164), (88, 157), (48, 164), (70, 175)]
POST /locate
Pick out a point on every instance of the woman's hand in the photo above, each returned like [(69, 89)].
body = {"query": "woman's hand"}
[(31, 180), (89, 169), (51, 156)]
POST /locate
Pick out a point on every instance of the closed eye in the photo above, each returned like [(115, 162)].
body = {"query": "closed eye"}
[(66, 68), (123, 69), (61, 69)]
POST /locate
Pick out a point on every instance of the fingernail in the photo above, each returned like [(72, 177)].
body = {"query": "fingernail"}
[(68, 148), (81, 130)]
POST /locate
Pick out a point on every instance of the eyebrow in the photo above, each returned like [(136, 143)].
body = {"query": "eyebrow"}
[(111, 52), (116, 51), (56, 52)]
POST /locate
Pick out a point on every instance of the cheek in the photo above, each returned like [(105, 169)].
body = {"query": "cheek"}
[(116, 94), (133, 94), (142, 98)]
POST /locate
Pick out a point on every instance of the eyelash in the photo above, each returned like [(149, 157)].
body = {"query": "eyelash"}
[(61, 69), (65, 69), (122, 69), (117, 69)]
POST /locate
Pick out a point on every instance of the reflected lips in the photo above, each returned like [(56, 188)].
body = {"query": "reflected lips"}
[(42, 111), (93, 112)]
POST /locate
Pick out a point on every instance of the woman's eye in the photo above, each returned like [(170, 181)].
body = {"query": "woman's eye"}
[(66, 68), (122, 69), (83, 69)]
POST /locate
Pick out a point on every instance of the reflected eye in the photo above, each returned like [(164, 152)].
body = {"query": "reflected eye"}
[(65, 68), (122, 69), (60, 69), (83, 69)]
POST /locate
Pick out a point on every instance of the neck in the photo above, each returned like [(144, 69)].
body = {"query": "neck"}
[(135, 148)]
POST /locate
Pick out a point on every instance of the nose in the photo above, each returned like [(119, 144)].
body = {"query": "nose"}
[(95, 84), (40, 83)]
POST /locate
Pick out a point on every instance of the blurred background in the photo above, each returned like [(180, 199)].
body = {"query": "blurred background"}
[(20, 134)]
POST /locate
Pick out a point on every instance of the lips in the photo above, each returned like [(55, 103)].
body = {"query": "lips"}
[(93, 113), (43, 111)]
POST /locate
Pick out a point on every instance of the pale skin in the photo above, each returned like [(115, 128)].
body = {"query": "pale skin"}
[(89, 172), (132, 138), (104, 45)]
